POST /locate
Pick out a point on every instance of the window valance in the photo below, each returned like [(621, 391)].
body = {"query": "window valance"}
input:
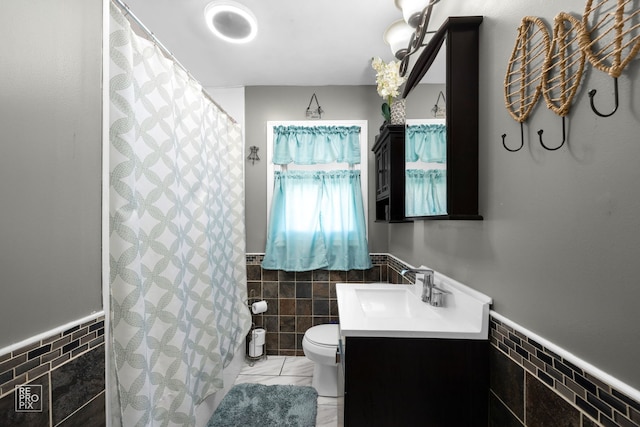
[(426, 143), (309, 145)]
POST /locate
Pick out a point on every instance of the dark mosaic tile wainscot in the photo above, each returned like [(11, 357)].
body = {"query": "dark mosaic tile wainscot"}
[(533, 386), (298, 301), (70, 368), (530, 384)]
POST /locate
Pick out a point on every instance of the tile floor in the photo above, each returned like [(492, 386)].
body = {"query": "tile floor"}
[(295, 371)]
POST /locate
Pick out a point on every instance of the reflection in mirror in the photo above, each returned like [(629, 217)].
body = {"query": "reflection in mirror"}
[(458, 41), (425, 167), (426, 143)]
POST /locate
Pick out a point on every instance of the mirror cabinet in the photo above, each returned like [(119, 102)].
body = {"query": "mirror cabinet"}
[(459, 37)]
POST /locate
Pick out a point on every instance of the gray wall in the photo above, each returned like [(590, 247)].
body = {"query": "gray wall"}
[(561, 236), (559, 247), (265, 103), (50, 166)]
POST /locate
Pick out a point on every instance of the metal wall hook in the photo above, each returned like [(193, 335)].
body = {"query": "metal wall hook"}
[(504, 135), (592, 94), (564, 137)]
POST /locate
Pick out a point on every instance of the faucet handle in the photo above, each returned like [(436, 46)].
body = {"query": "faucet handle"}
[(438, 296)]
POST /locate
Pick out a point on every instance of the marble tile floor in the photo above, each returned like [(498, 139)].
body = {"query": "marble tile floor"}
[(295, 371)]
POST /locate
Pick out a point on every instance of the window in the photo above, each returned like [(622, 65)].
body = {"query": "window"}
[(316, 194)]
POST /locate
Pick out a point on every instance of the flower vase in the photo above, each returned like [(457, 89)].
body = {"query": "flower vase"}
[(398, 114)]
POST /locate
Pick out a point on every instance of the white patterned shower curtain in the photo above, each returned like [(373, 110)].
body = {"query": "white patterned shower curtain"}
[(177, 237)]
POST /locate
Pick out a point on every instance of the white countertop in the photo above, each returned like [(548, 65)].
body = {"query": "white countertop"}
[(388, 310)]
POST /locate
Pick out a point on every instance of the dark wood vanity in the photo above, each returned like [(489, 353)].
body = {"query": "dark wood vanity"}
[(462, 85), (415, 382)]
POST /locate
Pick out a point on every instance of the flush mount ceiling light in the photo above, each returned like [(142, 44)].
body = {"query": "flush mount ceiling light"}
[(231, 21)]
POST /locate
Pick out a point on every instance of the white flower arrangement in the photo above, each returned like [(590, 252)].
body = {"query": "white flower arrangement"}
[(388, 78), (389, 82)]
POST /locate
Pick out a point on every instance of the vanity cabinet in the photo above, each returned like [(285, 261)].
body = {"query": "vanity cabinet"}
[(390, 176), (415, 382)]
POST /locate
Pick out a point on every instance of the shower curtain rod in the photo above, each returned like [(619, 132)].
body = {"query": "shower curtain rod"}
[(167, 52)]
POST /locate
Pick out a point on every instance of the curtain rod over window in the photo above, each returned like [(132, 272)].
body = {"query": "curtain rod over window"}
[(167, 52)]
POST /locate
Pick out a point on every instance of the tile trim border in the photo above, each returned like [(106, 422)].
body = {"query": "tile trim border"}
[(612, 381), (591, 391), (28, 360), (255, 258), (49, 333)]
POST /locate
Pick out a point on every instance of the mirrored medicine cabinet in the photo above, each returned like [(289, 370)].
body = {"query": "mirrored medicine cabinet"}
[(428, 168)]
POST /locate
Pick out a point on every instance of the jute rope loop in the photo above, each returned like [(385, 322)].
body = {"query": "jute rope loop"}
[(564, 64), (611, 32), (523, 80)]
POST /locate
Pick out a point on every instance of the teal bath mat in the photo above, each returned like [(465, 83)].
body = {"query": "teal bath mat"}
[(258, 405)]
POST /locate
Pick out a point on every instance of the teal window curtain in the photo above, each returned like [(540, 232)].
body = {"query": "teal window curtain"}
[(426, 192), (317, 222), (310, 145), (426, 143)]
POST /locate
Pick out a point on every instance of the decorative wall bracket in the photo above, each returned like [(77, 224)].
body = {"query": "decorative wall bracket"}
[(253, 156)]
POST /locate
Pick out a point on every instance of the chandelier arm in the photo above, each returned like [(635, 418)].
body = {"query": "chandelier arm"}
[(421, 29), (417, 38)]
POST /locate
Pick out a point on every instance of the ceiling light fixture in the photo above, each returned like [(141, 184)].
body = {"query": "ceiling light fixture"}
[(398, 36), (411, 10), (231, 21), (417, 14)]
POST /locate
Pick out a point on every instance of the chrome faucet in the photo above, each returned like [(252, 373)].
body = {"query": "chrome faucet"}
[(427, 283)]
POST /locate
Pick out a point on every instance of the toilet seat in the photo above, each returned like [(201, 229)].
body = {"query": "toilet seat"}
[(320, 343), (323, 335)]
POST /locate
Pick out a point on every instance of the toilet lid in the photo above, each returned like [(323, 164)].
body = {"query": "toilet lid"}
[(323, 335)]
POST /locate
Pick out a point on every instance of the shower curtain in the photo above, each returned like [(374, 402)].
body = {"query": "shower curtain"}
[(177, 238)]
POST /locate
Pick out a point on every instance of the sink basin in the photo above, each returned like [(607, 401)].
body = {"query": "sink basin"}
[(391, 302), (390, 310)]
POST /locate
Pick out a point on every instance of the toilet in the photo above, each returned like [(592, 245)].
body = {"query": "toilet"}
[(320, 344)]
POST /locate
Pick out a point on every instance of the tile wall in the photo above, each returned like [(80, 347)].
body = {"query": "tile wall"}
[(70, 368), (298, 301), (530, 384), (533, 386)]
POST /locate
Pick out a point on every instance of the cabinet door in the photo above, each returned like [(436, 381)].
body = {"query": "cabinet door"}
[(390, 182), (382, 172), (416, 382)]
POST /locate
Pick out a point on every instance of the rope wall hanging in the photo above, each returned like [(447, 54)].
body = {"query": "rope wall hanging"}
[(608, 36), (523, 80), (612, 30), (562, 69)]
